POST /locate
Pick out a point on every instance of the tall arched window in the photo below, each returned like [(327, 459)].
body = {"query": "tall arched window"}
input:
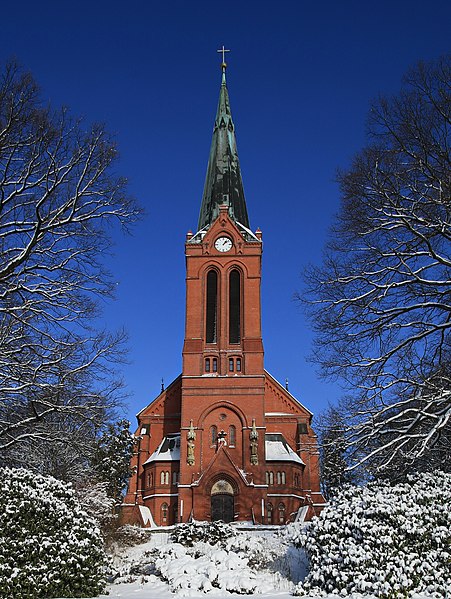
[(281, 513), (211, 307), (162, 478), (164, 512), (213, 434), (234, 307), (232, 435), (269, 509)]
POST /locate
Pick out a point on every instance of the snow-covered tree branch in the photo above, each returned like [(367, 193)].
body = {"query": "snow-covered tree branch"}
[(381, 301), (59, 197)]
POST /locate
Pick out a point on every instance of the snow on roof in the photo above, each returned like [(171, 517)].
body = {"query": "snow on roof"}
[(278, 450), (279, 414), (168, 450), (146, 516)]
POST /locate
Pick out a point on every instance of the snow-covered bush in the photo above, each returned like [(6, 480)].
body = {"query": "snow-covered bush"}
[(204, 567), (129, 535), (391, 541), (236, 563), (95, 501), (49, 547), (206, 532)]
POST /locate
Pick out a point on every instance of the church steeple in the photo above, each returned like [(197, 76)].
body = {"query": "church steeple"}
[(223, 183)]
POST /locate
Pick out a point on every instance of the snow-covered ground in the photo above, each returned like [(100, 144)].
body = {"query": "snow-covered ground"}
[(155, 589), (242, 563), (267, 566)]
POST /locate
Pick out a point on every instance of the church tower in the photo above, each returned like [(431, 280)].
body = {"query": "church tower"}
[(225, 441)]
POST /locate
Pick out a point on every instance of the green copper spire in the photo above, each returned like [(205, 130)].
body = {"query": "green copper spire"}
[(223, 183)]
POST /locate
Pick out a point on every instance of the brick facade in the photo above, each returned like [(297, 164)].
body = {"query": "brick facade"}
[(225, 440)]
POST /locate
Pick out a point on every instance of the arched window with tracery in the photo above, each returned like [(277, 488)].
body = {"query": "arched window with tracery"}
[(213, 434), (235, 307), (232, 435), (211, 307)]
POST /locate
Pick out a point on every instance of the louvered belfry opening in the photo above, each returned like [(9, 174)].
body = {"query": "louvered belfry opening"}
[(212, 306)]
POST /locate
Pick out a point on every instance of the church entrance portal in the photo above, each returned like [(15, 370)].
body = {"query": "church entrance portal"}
[(222, 502)]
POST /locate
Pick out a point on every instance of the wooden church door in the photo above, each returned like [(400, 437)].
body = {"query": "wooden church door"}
[(222, 508), (222, 502)]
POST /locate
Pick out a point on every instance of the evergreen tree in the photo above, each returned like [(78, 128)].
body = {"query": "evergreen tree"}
[(334, 466), (111, 460), (49, 546)]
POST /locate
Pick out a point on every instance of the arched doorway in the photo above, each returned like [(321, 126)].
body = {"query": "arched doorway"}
[(222, 501)]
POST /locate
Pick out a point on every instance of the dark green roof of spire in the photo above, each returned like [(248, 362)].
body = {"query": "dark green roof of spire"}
[(223, 181)]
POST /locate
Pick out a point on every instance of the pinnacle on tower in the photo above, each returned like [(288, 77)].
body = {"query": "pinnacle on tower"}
[(223, 183)]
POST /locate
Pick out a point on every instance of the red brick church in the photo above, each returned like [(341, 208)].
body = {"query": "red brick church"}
[(225, 440)]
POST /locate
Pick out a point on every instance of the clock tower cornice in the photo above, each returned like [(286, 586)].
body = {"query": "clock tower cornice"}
[(224, 228)]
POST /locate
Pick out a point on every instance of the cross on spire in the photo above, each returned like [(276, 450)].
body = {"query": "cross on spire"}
[(223, 50)]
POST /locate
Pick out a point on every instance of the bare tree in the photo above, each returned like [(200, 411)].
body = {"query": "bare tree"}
[(59, 199), (381, 301)]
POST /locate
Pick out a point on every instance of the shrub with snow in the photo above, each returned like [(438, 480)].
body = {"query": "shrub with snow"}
[(212, 557), (206, 532), (49, 547), (391, 541)]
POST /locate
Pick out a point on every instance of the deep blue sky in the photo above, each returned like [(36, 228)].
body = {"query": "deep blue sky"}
[(301, 76)]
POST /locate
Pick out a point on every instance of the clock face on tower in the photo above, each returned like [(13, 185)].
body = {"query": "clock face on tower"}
[(223, 244)]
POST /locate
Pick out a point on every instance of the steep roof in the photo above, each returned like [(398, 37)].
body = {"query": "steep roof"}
[(278, 450), (168, 450), (223, 183)]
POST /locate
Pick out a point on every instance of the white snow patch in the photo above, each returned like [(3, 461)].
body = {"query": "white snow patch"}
[(168, 450), (278, 450), (146, 516)]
